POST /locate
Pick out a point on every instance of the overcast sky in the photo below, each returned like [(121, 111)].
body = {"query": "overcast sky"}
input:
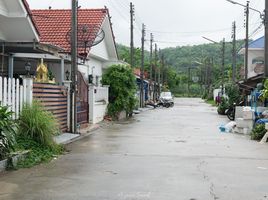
[(173, 22)]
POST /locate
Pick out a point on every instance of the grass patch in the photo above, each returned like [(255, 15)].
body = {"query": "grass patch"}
[(38, 153), (211, 102)]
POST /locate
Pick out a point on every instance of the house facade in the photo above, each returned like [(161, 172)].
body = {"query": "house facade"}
[(41, 37), (92, 60), (255, 57)]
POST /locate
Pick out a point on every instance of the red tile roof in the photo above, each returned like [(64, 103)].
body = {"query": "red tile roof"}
[(54, 25)]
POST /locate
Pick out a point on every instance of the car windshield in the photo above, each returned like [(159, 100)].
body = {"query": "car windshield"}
[(166, 94)]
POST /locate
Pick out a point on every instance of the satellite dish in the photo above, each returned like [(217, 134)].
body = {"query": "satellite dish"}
[(88, 35)]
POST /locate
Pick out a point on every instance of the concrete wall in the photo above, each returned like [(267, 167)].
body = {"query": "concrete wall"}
[(97, 110)]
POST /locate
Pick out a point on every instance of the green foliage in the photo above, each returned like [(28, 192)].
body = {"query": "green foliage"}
[(122, 91), (38, 152), (181, 57), (38, 125), (233, 93), (223, 106), (7, 132), (50, 75), (264, 92), (124, 54), (258, 132), (211, 102)]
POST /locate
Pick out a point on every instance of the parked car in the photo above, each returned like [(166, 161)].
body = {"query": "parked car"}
[(166, 99)]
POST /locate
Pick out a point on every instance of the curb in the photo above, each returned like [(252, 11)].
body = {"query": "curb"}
[(83, 135)]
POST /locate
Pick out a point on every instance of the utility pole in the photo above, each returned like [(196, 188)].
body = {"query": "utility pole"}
[(131, 35), (151, 56), (246, 41), (155, 71), (234, 53), (74, 66), (159, 77), (266, 38), (142, 67), (151, 64), (163, 68), (222, 67), (189, 76)]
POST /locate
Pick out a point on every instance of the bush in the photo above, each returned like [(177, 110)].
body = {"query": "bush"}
[(233, 93), (122, 91), (38, 125), (7, 132), (258, 132), (223, 106)]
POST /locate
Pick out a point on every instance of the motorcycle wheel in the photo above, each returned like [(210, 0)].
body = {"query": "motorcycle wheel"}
[(230, 114)]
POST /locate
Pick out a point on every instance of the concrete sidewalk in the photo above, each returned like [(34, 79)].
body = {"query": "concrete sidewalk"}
[(67, 138)]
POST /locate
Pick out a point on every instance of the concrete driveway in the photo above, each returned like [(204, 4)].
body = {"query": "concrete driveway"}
[(162, 154)]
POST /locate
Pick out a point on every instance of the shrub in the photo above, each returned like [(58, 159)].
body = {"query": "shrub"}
[(38, 125), (258, 132), (7, 132), (223, 106), (122, 91), (233, 93)]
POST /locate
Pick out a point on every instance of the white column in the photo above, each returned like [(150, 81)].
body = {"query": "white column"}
[(10, 66), (67, 84), (28, 90), (91, 102), (62, 72)]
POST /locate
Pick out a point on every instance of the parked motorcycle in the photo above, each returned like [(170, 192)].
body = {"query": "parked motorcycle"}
[(165, 103), (230, 112)]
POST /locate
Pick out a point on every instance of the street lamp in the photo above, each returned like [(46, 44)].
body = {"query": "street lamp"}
[(262, 15)]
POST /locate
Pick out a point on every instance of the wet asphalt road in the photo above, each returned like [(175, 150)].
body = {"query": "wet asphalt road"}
[(162, 154)]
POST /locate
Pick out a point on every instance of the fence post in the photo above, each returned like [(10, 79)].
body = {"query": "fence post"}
[(91, 100), (17, 98), (67, 84), (13, 99), (28, 90), (5, 92), (9, 84)]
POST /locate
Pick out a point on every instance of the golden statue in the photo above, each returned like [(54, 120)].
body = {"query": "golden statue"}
[(42, 73)]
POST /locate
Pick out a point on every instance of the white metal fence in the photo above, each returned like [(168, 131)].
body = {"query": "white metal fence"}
[(14, 95)]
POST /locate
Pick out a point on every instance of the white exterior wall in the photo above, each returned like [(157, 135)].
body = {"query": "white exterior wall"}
[(100, 51), (97, 109)]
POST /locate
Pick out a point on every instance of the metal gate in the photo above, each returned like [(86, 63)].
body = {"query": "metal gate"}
[(82, 100)]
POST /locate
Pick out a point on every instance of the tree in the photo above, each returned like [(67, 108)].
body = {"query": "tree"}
[(122, 91)]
